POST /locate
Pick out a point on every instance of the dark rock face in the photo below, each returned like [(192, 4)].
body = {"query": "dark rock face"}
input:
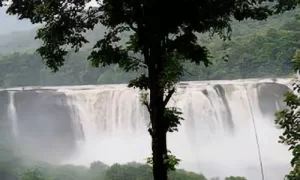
[(4, 101), (271, 97), (45, 128)]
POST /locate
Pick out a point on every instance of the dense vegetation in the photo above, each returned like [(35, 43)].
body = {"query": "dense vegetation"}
[(288, 121), (13, 168), (257, 49)]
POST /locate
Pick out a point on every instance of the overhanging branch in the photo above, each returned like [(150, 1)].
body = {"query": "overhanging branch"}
[(169, 95)]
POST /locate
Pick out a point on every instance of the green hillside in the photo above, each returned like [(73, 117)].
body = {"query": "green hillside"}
[(257, 49)]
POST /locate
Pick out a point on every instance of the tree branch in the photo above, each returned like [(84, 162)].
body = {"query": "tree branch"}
[(147, 105), (168, 97)]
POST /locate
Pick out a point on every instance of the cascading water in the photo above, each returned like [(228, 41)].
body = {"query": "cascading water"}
[(216, 138), (13, 114), (113, 124), (228, 147)]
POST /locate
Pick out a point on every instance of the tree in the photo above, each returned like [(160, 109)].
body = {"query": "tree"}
[(97, 170), (163, 34), (289, 121), (33, 174), (235, 178)]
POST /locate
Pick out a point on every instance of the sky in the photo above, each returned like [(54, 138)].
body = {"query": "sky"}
[(10, 24)]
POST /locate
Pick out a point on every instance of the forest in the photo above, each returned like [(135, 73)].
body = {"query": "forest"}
[(257, 50), (96, 171)]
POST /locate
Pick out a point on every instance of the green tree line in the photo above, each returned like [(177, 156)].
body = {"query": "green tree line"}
[(13, 168), (257, 49)]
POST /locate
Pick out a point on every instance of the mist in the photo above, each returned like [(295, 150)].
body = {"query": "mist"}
[(80, 125), (12, 24)]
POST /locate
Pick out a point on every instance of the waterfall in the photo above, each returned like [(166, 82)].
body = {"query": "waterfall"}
[(13, 114), (217, 150), (216, 138), (110, 117)]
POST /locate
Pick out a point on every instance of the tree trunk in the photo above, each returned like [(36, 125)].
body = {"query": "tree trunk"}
[(159, 136), (159, 151), (159, 133), (157, 109)]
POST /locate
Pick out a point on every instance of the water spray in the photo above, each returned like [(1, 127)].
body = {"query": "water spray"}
[(256, 137)]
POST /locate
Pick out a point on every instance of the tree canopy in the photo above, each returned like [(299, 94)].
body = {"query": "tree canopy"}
[(258, 49), (66, 21)]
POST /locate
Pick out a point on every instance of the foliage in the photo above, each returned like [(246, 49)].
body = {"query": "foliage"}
[(183, 175), (288, 120), (235, 178), (34, 174), (130, 171), (170, 161), (248, 57), (97, 171)]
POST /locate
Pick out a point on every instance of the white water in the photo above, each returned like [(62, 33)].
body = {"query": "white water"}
[(13, 114), (114, 125)]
